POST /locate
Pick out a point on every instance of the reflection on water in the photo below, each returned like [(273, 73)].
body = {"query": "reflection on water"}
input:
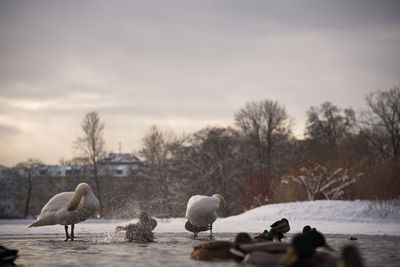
[(170, 249)]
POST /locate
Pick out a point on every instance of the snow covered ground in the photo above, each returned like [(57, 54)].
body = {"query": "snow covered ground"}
[(328, 216)]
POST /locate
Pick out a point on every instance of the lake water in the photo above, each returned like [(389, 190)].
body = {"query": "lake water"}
[(170, 249)]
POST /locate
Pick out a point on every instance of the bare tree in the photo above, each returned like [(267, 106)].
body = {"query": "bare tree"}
[(92, 145), (156, 154), (265, 124), (320, 182), (384, 121), (26, 168), (327, 124)]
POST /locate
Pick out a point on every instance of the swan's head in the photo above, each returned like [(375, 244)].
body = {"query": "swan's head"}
[(222, 202), (81, 189)]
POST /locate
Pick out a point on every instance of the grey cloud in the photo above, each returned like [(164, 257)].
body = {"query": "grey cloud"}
[(156, 61), (8, 132)]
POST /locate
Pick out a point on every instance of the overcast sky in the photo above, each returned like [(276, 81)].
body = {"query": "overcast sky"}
[(181, 65)]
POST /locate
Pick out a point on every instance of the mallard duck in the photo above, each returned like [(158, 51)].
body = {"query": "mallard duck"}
[(282, 226), (140, 231), (195, 229), (219, 250), (264, 253), (201, 211), (277, 231), (7, 256), (307, 229), (69, 208), (350, 257), (302, 251), (272, 235)]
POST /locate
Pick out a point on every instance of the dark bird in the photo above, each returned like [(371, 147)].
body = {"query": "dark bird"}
[(277, 231), (140, 231), (307, 229), (281, 226), (220, 250), (195, 229), (350, 257), (7, 256), (262, 253), (303, 251), (272, 235)]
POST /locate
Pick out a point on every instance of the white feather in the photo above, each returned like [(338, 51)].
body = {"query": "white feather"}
[(202, 210), (56, 211)]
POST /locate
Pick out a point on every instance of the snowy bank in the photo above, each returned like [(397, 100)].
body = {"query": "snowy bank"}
[(330, 217)]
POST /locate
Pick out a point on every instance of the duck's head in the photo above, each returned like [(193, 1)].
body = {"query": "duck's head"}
[(306, 229), (301, 248), (222, 202), (319, 240), (350, 256), (153, 224), (242, 238), (304, 245), (144, 217)]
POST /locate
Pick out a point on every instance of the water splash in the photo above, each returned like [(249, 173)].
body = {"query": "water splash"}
[(110, 237)]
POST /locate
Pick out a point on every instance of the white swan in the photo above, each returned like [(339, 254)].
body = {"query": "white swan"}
[(201, 211), (69, 208)]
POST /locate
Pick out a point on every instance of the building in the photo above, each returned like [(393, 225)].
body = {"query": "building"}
[(118, 164), (114, 164)]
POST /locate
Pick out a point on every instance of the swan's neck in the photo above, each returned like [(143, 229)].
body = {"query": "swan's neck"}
[(75, 200)]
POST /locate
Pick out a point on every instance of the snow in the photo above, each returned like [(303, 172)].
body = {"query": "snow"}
[(328, 216)]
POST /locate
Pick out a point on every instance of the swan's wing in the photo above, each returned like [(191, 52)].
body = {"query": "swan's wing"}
[(56, 203), (203, 204), (201, 210)]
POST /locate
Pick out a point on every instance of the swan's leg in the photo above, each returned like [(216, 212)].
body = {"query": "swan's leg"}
[(211, 231), (66, 233), (72, 232), (194, 235)]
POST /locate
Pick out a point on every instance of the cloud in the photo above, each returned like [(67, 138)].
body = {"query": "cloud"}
[(184, 64), (6, 132)]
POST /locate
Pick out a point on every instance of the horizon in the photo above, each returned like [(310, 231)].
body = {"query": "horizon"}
[(181, 65)]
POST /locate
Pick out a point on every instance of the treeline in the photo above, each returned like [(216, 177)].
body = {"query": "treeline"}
[(258, 160), (255, 161)]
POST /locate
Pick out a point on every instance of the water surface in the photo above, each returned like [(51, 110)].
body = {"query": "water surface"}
[(170, 249)]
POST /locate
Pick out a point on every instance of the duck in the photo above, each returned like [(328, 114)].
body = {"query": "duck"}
[(220, 250), (140, 231), (350, 257), (69, 208), (302, 251), (272, 235), (202, 211), (307, 229), (304, 248), (277, 231), (262, 253), (195, 229), (7, 256), (282, 226)]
